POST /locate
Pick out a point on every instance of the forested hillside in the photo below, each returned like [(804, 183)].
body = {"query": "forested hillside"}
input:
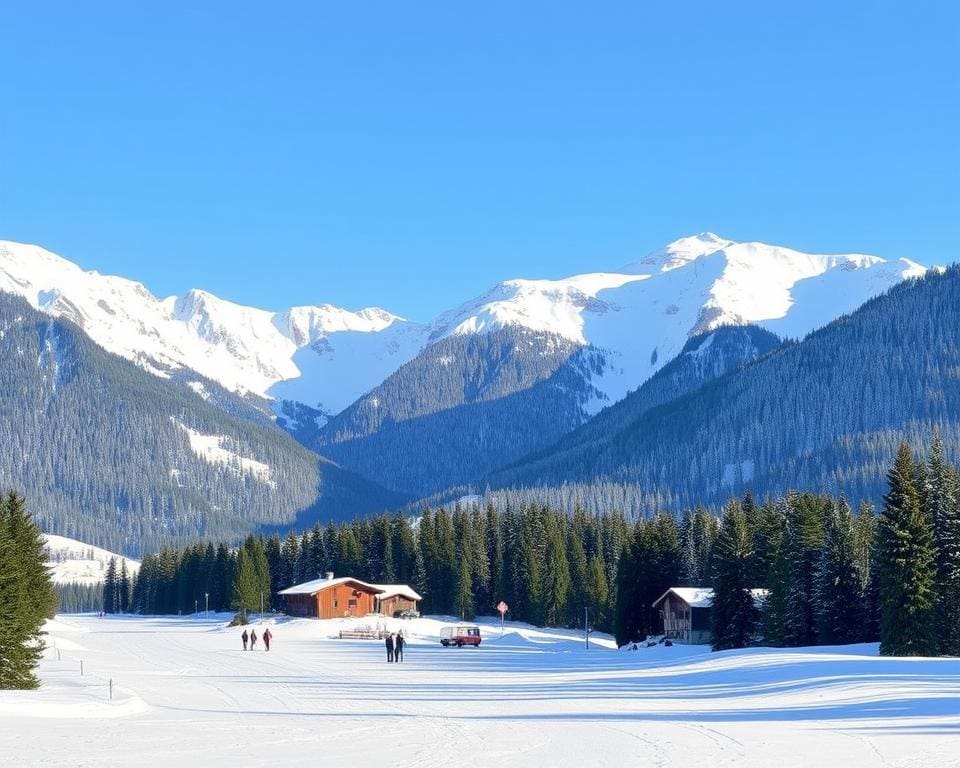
[(466, 405), (825, 413), (117, 457), (704, 358)]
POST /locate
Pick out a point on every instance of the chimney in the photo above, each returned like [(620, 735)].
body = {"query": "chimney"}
[(328, 575)]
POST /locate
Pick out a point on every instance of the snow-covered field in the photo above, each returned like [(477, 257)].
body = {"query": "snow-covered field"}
[(185, 694)]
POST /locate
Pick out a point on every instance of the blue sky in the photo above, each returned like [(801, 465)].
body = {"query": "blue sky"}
[(409, 155)]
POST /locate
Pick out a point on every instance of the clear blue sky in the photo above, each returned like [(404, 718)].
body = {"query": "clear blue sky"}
[(410, 155)]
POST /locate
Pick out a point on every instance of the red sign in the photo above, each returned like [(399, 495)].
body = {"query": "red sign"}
[(502, 607)]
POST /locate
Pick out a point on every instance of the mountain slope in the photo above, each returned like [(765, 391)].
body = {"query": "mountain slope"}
[(463, 407), (705, 357), (109, 454), (826, 413), (322, 356), (642, 315)]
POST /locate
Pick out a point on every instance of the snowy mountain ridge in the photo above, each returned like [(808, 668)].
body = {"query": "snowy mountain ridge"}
[(642, 315), (326, 357), (245, 349)]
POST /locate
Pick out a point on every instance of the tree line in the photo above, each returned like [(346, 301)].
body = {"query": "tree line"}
[(799, 570), (831, 576), (546, 565)]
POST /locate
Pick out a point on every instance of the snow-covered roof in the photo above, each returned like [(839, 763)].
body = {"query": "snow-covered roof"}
[(702, 597), (382, 590), (317, 585), (392, 590)]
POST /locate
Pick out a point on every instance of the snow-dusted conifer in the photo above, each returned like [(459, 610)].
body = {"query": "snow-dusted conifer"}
[(734, 616), (907, 565)]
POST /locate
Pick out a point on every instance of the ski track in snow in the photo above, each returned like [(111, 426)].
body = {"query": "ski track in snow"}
[(186, 694)]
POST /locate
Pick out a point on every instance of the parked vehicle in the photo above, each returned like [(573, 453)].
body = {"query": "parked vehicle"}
[(460, 635), (409, 614)]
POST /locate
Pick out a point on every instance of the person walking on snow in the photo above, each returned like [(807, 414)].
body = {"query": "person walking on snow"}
[(244, 638), (253, 639), (389, 644), (267, 636), (398, 653)]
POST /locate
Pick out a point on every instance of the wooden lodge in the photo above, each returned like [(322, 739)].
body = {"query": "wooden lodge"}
[(685, 612), (336, 598)]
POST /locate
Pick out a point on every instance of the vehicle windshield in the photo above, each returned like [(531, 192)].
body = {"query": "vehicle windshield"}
[(473, 631)]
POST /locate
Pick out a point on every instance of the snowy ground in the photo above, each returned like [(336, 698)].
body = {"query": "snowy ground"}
[(186, 695)]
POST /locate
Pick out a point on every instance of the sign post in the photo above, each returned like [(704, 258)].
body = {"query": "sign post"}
[(503, 608)]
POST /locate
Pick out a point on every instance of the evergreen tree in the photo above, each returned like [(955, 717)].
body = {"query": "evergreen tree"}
[(597, 593), (838, 590), (110, 587), (27, 596), (289, 555), (556, 578), (272, 552), (942, 507), (123, 586), (907, 562), (804, 539), (734, 616), (246, 584)]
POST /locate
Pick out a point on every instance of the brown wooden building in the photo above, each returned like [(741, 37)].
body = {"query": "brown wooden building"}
[(396, 598), (337, 598)]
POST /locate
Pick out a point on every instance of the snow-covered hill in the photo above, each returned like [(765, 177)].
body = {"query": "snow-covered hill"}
[(326, 357), (73, 562), (642, 315)]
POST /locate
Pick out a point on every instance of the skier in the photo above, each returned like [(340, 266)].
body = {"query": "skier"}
[(398, 653), (267, 637), (253, 639), (244, 638), (389, 644)]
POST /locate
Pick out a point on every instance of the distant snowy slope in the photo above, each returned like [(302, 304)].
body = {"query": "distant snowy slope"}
[(73, 562), (245, 349)]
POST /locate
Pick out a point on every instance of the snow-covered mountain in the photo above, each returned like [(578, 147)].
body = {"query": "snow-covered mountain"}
[(642, 315), (326, 357), (323, 356)]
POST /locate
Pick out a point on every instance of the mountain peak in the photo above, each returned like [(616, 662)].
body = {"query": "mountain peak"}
[(679, 252)]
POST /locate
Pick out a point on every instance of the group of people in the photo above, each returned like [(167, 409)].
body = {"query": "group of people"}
[(395, 643), (252, 639)]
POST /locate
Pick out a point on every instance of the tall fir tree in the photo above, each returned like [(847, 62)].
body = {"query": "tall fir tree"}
[(734, 616), (907, 562), (27, 595), (942, 506), (837, 590), (804, 539), (245, 593), (110, 587)]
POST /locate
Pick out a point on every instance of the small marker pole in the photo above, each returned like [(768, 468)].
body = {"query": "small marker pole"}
[(111, 689), (81, 667)]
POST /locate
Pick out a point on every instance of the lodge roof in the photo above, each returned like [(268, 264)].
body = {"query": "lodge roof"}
[(702, 597), (382, 591), (318, 585), (397, 590)]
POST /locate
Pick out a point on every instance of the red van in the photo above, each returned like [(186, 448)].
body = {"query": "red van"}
[(459, 635)]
